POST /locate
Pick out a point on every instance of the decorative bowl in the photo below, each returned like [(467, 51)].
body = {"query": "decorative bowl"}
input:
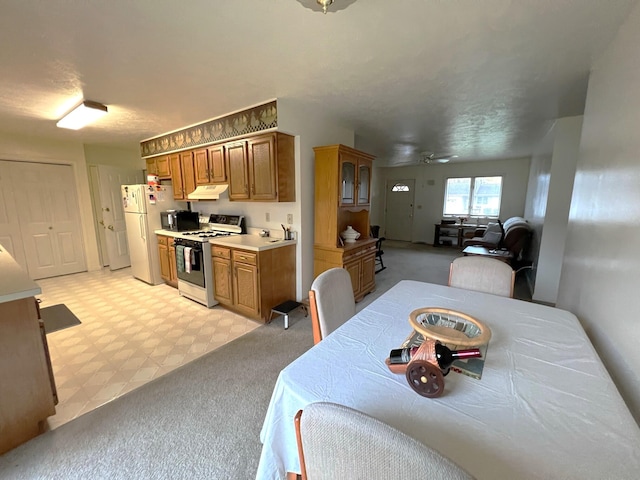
[(350, 235)]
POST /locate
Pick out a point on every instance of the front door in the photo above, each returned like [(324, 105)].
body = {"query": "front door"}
[(112, 222), (399, 209)]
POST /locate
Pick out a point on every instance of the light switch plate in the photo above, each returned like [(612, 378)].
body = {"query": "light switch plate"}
[(289, 218)]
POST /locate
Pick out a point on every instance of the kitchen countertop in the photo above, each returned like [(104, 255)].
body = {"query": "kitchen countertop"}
[(248, 242), (251, 242), (15, 283)]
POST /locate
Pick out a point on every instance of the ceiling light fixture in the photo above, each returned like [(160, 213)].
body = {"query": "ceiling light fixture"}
[(82, 115), (323, 5)]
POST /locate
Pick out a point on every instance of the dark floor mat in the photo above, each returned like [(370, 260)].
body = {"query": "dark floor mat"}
[(57, 317)]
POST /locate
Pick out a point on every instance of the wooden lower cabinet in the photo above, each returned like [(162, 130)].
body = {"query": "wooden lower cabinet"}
[(246, 294), (252, 283), (167, 253), (222, 275), (28, 390), (359, 259)]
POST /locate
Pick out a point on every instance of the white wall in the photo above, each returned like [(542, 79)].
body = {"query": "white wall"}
[(30, 149), (559, 187), (537, 198), (601, 267), (115, 157), (430, 186), (312, 128)]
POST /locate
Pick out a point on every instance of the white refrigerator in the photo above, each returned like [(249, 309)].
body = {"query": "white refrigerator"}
[(142, 206)]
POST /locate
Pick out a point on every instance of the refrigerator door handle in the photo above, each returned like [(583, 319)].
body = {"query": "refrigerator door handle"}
[(142, 232)]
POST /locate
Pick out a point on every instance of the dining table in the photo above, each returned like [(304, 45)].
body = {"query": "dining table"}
[(545, 406)]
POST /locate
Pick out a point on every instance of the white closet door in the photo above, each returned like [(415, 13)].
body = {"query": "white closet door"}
[(10, 235), (49, 219)]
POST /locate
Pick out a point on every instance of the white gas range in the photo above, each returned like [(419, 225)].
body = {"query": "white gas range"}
[(193, 256)]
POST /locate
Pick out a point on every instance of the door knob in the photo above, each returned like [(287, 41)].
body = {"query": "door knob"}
[(107, 209), (50, 228), (101, 222), (110, 227)]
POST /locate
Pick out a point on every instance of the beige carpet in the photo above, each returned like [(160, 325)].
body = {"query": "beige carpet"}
[(203, 419)]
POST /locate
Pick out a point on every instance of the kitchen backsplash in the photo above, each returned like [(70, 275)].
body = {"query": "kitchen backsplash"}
[(255, 214)]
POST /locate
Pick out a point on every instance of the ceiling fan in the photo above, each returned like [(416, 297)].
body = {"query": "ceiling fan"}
[(430, 157)]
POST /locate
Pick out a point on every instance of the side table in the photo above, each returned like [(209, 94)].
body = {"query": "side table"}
[(503, 255)]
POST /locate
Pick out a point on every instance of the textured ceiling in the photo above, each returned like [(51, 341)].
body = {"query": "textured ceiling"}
[(479, 79)]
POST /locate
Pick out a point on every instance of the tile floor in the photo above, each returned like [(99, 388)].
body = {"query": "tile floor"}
[(131, 333)]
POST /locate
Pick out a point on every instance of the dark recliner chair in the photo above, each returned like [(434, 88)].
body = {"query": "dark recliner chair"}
[(512, 235)]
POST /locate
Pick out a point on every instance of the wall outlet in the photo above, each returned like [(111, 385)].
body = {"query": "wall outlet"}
[(289, 218), (267, 217)]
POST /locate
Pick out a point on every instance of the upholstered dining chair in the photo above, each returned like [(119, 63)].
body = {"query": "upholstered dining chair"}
[(335, 441), (331, 302), (482, 274)]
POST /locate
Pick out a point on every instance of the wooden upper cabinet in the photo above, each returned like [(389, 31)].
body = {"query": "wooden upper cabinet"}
[(259, 168), (183, 176), (209, 165), (188, 173), (159, 166), (201, 166), (262, 168), (163, 166), (217, 170), (152, 168), (176, 176), (237, 169), (263, 176)]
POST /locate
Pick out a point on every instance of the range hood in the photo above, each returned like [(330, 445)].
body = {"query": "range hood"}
[(207, 192)]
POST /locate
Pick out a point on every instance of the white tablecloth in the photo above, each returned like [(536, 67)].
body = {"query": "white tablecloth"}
[(545, 406)]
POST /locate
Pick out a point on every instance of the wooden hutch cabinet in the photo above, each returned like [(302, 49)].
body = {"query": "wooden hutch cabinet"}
[(342, 198)]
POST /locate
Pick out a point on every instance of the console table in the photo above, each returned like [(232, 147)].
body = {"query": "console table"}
[(455, 231)]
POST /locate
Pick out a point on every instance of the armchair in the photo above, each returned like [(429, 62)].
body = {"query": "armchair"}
[(513, 236)]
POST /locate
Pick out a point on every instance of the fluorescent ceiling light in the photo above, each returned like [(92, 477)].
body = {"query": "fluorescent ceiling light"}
[(82, 115)]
